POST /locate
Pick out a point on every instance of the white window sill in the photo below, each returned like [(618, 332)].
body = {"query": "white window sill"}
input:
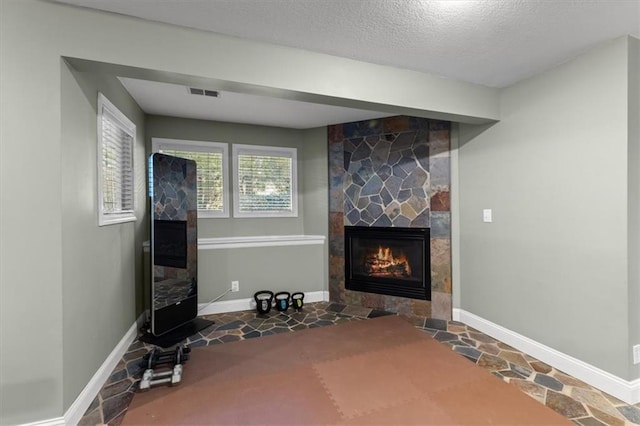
[(105, 220)]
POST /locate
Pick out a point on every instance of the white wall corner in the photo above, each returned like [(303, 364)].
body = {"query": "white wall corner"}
[(627, 391)]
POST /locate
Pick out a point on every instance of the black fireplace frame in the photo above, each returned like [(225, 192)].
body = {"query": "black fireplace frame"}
[(382, 285)]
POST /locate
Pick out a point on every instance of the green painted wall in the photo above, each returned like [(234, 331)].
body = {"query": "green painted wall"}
[(296, 268), (315, 177), (553, 265), (287, 268), (633, 167), (102, 271)]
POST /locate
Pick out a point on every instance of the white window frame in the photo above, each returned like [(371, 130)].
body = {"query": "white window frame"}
[(239, 149), (126, 125), (158, 144)]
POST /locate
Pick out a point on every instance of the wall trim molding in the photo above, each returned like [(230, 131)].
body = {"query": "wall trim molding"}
[(237, 305), (254, 241), (625, 390), (259, 241), (82, 402)]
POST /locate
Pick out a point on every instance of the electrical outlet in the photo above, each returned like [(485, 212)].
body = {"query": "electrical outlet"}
[(235, 286), (636, 354)]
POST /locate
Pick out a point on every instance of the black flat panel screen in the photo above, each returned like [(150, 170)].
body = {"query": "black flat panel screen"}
[(170, 243), (174, 242)]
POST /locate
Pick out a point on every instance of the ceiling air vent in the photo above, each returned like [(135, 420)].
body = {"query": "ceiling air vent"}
[(203, 92)]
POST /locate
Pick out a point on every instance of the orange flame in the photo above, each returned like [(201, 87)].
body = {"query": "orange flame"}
[(385, 262)]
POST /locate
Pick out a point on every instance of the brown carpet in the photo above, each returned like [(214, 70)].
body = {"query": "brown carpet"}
[(378, 371)]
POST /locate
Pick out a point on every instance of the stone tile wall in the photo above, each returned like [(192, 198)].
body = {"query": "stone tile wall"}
[(391, 172)]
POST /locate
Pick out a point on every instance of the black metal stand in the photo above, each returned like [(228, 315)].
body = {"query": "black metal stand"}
[(178, 334)]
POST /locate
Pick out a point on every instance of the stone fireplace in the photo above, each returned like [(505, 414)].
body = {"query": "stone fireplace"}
[(391, 173)]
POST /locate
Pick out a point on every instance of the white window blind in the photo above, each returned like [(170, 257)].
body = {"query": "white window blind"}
[(212, 162), (116, 137), (265, 181)]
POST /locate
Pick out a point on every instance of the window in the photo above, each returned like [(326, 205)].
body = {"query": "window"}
[(212, 159), (264, 181), (116, 138)]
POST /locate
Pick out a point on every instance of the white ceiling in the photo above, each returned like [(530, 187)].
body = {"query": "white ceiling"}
[(488, 42), (176, 101)]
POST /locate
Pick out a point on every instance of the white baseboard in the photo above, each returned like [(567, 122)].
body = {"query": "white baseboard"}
[(57, 421), (455, 314), (627, 391), (250, 304), (88, 394), (90, 391)]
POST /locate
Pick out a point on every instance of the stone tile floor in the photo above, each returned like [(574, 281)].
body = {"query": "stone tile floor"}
[(583, 404)]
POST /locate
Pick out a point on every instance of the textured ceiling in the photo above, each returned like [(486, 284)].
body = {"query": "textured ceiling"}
[(489, 42)]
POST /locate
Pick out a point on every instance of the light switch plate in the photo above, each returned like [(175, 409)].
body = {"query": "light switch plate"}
[(636, 354), (486, 215)]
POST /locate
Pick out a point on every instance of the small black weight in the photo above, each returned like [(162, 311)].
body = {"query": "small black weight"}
[(282, 300), (264, 299), (297, 300), (155, 357)]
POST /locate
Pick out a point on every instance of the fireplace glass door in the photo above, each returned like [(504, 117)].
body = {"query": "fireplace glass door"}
[(392, 261)]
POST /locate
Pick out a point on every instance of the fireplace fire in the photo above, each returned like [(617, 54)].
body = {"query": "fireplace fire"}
[(383, 263), (392, 261)]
